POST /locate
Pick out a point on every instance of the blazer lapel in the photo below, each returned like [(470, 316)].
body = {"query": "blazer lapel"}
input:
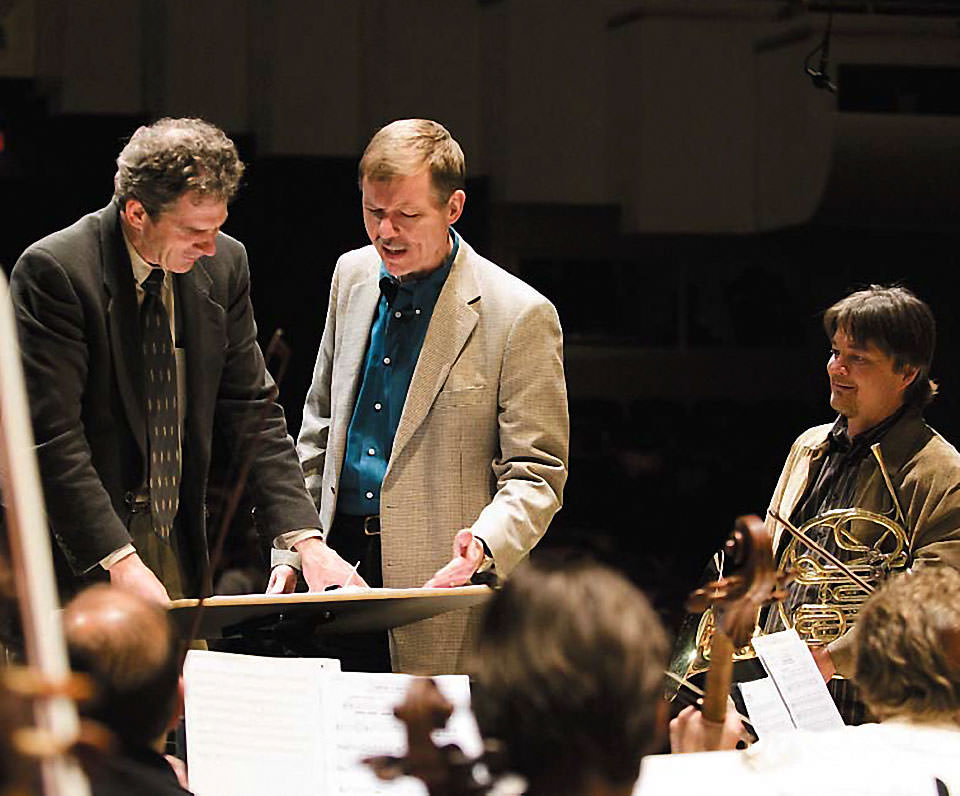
[(450, 327), (361, 309), (123, 322)]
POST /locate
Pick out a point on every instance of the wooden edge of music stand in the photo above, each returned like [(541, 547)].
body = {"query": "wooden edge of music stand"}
[(350, 611)]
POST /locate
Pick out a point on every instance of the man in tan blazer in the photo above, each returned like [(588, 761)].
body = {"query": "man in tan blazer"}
[(437, 418)]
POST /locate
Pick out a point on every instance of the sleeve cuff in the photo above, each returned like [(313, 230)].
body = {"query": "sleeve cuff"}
[(486, 574), (289, 557), (117, 555), (286, 541)]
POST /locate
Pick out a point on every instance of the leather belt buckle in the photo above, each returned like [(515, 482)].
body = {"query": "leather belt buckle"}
[(371, 525)]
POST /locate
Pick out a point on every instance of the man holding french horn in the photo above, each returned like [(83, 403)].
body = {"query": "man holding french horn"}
[(878, 488)]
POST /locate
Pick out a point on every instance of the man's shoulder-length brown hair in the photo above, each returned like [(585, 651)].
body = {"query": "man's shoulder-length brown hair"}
[(896, 322)]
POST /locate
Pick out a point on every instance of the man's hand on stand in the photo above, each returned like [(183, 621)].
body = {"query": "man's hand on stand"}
[(283, 579), (467, 557), (132, 574), (322, 567)]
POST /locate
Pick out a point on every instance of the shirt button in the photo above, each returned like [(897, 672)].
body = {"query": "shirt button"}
[(377, 406), (369, 495), (417, 311), (371, 452), (398, 314), (386, 360)]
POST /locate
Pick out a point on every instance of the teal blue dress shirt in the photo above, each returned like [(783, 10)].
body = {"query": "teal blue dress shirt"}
[(396, 337)]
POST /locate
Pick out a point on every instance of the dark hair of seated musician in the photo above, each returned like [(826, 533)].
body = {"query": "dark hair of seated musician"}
[(569, 678)]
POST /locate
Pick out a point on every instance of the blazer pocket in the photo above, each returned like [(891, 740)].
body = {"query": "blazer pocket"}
[(466, 396)]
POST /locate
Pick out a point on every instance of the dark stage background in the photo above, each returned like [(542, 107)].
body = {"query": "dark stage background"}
[(694, 357)]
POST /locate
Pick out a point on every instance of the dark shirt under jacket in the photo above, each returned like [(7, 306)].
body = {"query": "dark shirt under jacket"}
[(833, 481), (396, 338), (834, 484)]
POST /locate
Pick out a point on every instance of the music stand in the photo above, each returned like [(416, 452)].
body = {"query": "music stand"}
[(341, 611)]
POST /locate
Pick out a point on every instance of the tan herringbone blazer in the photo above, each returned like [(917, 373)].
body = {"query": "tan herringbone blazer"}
[(482, 440)]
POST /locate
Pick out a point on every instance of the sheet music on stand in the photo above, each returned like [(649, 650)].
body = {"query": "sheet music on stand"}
[(765, 707), (798, 681), (300, 726)]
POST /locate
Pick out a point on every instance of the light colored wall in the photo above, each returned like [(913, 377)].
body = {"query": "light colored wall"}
[(716, 129), (692, 116)]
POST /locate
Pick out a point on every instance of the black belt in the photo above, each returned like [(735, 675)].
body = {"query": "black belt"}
[(369, 524)]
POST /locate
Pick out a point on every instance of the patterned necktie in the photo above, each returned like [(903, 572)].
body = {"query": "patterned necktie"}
[(163, 424)]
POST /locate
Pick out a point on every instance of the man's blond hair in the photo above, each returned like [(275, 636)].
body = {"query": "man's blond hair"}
[(406, 147)]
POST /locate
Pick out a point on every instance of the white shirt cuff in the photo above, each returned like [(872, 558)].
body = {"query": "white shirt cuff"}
[(116, 555), (289, 557), (285, 541)]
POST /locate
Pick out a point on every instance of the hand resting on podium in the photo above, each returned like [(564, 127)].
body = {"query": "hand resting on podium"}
[(467, 557), (322, 568)]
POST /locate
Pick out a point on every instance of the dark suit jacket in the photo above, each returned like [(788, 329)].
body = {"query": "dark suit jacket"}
[(79, 333), (139, 771)]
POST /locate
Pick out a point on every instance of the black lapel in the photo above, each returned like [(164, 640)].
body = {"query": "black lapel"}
[(202, 324), (123, 322)]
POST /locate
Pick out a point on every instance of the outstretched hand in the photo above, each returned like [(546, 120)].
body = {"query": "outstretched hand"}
[(467, 557)]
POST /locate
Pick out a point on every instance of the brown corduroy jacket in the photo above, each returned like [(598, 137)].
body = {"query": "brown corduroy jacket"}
[(925, 472)]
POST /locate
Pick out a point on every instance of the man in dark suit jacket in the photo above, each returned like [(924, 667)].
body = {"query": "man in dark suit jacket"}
[(80, 297)]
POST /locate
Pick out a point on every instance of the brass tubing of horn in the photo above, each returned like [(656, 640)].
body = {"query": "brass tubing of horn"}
[(718, 677), (875, 450), (822, 551), (684, 683)]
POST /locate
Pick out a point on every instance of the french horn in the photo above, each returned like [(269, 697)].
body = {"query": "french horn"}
[(875, 546)]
